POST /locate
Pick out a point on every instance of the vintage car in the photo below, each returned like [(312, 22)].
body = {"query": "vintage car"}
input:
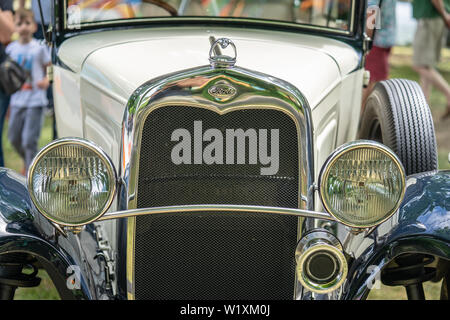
[(217, 150)]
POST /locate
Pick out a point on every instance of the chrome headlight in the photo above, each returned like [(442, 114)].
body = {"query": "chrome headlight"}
[(362, 184), (72, 182)]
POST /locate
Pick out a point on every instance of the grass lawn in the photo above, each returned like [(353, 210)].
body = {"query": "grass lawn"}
[(11, 157), (400, 68), (45, 291)]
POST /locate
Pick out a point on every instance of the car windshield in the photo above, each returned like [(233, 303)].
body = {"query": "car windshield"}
[(329, 15)]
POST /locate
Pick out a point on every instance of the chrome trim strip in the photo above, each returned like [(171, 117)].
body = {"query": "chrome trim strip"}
[(216, 208)]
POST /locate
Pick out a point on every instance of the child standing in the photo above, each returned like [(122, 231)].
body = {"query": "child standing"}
[(27, 105)]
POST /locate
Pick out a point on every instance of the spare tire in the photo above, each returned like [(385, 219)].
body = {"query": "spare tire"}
[(397, 114)]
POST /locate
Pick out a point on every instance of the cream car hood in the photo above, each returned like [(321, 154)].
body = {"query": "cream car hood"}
[(117, 62)]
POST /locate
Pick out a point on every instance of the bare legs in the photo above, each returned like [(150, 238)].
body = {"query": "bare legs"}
[(430, 77)]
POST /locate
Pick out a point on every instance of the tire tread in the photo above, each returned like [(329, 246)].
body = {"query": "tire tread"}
[(407, 122)]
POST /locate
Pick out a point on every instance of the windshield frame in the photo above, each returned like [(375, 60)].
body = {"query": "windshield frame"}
[(211, 19)]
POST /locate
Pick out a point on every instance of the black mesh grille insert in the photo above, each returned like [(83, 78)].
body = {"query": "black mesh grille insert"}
[(215, 255)]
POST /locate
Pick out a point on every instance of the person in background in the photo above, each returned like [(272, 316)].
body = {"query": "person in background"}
[(377, 61), (6, 30), (25, 120), (47, 8), (433, 19), (46, 12), (6, 23)]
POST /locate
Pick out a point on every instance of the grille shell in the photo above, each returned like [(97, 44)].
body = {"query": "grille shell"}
[(215, 255)]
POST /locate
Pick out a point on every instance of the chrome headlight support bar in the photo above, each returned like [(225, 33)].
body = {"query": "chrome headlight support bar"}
[(216, 208)]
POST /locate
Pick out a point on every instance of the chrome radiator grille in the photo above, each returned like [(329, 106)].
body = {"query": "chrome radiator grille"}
[(229, 255)]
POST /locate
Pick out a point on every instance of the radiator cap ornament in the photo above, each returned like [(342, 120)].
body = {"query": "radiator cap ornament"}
[(219, 60)]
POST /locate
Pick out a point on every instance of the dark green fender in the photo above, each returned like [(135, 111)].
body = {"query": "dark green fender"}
[(422, 226), (24, 230)]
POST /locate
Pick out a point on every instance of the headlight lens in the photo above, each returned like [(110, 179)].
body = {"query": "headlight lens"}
[(72, 182), (362, 184)]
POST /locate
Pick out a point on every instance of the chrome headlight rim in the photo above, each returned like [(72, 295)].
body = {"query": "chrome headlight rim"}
[(92, 147), (347, 147)]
